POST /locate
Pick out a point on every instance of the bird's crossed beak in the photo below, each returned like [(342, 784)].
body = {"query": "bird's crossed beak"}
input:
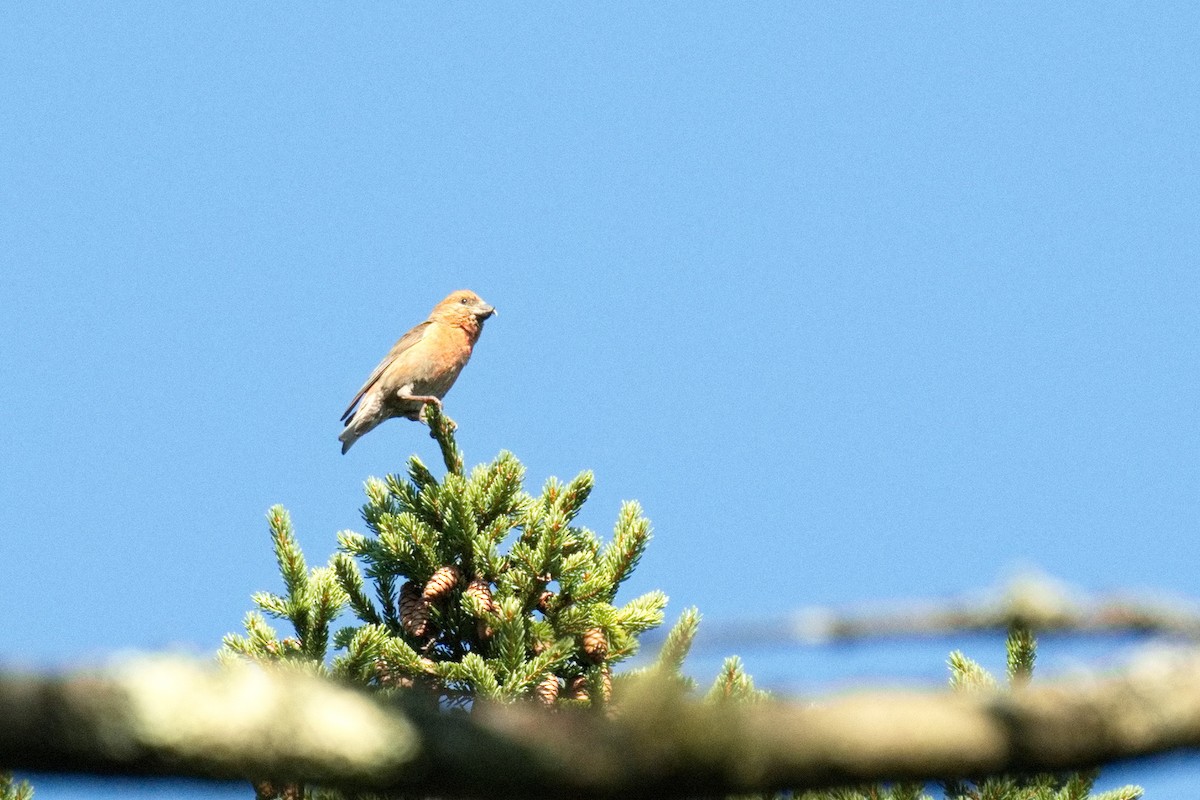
[(484, 311)]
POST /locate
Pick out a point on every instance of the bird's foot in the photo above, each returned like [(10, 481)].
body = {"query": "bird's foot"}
[(423, 399)]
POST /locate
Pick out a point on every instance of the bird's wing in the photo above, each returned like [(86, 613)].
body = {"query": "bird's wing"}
[(406, 341)]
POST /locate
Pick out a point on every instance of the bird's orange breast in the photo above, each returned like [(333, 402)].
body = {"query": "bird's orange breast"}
[(432, 364)]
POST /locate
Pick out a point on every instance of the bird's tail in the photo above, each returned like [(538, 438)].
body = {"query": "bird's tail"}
[(348, 437)]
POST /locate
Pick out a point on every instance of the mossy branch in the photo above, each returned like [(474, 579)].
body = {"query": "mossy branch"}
[(173, 718)]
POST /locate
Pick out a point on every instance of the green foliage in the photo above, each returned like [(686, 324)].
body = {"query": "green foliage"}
[(733, 685), (899, 791), (966, 675), (14, 790), (1022, 652), (464, 587), (314, 599), (467, 587), (678, 643)]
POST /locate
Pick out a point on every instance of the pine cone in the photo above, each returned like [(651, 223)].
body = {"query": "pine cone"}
[(595, 644), (578, 688), (414, 610), (606, 680), (547, 690), (390, 677), (441, 583), (543, 603), (480, 590), (265, 790)]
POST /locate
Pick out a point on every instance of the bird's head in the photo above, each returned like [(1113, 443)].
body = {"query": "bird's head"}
[(463, 307)]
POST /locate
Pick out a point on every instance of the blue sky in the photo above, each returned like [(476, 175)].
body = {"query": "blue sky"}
[(861, 303)]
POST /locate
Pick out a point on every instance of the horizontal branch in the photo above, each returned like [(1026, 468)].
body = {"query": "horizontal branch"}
[(1034, 601), (166, 717)]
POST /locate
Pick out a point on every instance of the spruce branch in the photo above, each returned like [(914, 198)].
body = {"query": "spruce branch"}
[(442, 428), (485, 557), (291, 566), (734, 685), (260, 642), (500, 494), (385, 592), (356, 545), (1078, 785), (404, 495), (548, 661), (569, 499), (668, 664), (599, 686), (364, 649), (287, 552), (350, 578), (272, 604), (327, 601), (472, 619), (641, 613), (508, 640), (459, 527), (398, 653), (422, 479), (630, 537), (678, 642), (481, 677), (967, 675), (11, 789), (378, 499), (314, 599), (1123, 793), (1021, 649), (551, 490)]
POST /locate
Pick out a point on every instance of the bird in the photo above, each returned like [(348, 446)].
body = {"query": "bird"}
[(420, 368)]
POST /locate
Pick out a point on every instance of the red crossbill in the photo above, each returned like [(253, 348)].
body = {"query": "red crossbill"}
[(420, 368)]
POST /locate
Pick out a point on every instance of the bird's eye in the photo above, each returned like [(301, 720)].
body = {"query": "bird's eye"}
[(463, 301)]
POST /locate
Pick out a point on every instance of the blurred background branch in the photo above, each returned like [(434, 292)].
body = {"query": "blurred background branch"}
[(1031, 598)]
